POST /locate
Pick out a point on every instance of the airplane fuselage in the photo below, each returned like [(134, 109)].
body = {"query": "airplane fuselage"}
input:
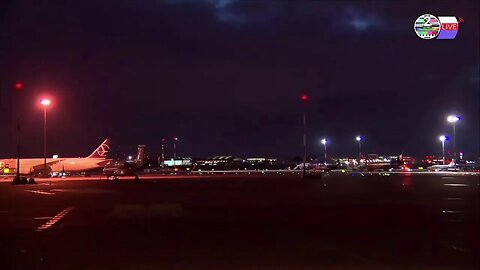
[(29, 165), (97, 159)]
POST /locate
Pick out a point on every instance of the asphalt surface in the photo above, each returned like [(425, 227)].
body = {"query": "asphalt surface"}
[(361, 221)]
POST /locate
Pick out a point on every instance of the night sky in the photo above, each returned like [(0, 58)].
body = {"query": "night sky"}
[(226, 76)]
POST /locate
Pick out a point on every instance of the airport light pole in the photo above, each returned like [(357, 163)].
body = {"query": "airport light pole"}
[(175, 139), (454, 119), (304, 99), (324, 142), (443, 138), (18, 88), (359, 140), (163, 152), (45, 103)]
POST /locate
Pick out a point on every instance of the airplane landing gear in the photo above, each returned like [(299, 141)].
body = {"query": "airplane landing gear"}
[(19, 180), (114, 178), (31, 180)]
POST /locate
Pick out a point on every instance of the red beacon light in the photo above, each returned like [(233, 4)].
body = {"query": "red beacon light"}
[(304, 97), (18, 85)]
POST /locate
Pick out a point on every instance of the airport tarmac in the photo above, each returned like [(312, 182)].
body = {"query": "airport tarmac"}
[(240, 173), (338, 221)]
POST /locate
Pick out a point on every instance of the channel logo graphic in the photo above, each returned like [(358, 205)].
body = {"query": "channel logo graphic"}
[(428, 26), (449, 27)]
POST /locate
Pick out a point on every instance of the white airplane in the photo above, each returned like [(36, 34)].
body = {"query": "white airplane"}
[(97, 159), (445, 167)]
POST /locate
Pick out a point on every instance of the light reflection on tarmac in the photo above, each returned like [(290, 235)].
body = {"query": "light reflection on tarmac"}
[(359, 220)]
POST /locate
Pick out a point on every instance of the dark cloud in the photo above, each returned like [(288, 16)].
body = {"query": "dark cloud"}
[(225, 76)]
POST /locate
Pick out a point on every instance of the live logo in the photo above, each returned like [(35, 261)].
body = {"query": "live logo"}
[(449, 26)]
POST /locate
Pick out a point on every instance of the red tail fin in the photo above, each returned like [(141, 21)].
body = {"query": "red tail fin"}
[(102, 150)]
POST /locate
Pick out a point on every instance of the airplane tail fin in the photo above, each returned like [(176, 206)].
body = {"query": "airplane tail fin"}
[(102, 150), (140, 158)]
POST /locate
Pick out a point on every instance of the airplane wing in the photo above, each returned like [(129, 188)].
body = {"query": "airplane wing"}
[(49, 163), (104, 162)]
